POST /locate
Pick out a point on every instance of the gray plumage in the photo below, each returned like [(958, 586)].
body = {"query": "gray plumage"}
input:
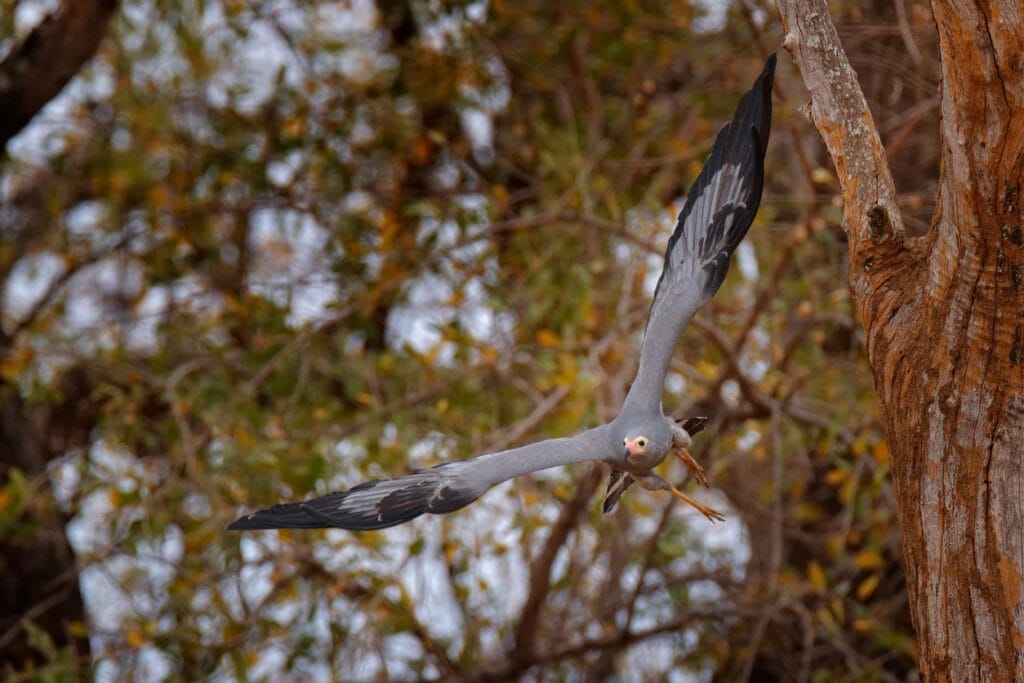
[(719, 209)]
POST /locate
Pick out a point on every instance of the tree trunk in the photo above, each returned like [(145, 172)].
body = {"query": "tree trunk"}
[(38, 574), (39, 67), (944, 320), (37, 564)]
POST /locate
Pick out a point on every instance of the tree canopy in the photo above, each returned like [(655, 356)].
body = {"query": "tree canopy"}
[(261, 251)]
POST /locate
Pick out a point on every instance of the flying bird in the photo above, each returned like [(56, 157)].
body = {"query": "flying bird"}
[(719, 210)]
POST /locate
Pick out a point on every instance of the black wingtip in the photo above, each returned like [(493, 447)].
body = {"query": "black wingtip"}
[(693, 425), (285, 516), (371, 505), (756, 105), (243, 524)]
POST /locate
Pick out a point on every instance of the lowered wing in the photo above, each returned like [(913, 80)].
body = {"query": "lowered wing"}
[(719, 209)]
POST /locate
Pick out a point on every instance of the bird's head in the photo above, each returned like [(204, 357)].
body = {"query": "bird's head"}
[(645, 445), (636, 446)]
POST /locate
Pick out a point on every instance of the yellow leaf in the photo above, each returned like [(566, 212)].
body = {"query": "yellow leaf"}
[(12, 364), (547, 338), (836, 605), (880, 451), (835, 546), (825, 618), (134, 638), (338, 588), (869, 559), (114, 496), (422, 151), (836, 476), (293, 127), (78, 628), (244, 438), (233, 304), (816, 575), (822, 176), (500, 195), (158, 196), (195, 543), (706, 369), (846, 491), (862, 625), (389, 226), (450, 550), (867, 587)]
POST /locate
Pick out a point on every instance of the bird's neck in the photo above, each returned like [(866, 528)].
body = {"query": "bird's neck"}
[(644, 394)]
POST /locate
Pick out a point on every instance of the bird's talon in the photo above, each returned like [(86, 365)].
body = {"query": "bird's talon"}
[(712, 515), (694, 466)]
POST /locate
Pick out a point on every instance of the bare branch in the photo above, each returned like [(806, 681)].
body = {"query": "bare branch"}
[(540, 571), (38, 68), (517, 431), (840, 113)]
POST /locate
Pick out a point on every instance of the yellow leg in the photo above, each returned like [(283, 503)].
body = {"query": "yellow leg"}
[(694, 466), (713, 515)]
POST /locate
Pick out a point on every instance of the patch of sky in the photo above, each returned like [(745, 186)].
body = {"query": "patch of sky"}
[(428, 302), (282, 172), (746, 261), (675, 383), (730, 393), (435, 447), (290, 266), (750, 438), (27, 284), (756, 357), (712, 16)]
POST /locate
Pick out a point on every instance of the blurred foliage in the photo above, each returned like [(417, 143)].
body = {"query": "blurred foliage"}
[(290, 246)]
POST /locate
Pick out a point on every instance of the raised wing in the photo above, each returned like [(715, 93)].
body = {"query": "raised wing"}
[(719, 209), (440, 489)]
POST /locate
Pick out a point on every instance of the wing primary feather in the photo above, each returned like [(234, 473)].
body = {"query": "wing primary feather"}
[(719, 209), (734, 176), (372, 505), (283, 516)]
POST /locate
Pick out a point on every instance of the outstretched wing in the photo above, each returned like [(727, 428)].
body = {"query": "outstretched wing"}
[(372, 505), (719, 209), (440, 489)]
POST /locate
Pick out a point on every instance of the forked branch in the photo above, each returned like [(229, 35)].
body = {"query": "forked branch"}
[(840, 113)]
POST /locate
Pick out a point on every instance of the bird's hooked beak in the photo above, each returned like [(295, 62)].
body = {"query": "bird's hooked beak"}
[(634, 447)]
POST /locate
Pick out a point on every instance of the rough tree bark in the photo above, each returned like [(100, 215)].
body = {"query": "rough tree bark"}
[(944, 320)]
